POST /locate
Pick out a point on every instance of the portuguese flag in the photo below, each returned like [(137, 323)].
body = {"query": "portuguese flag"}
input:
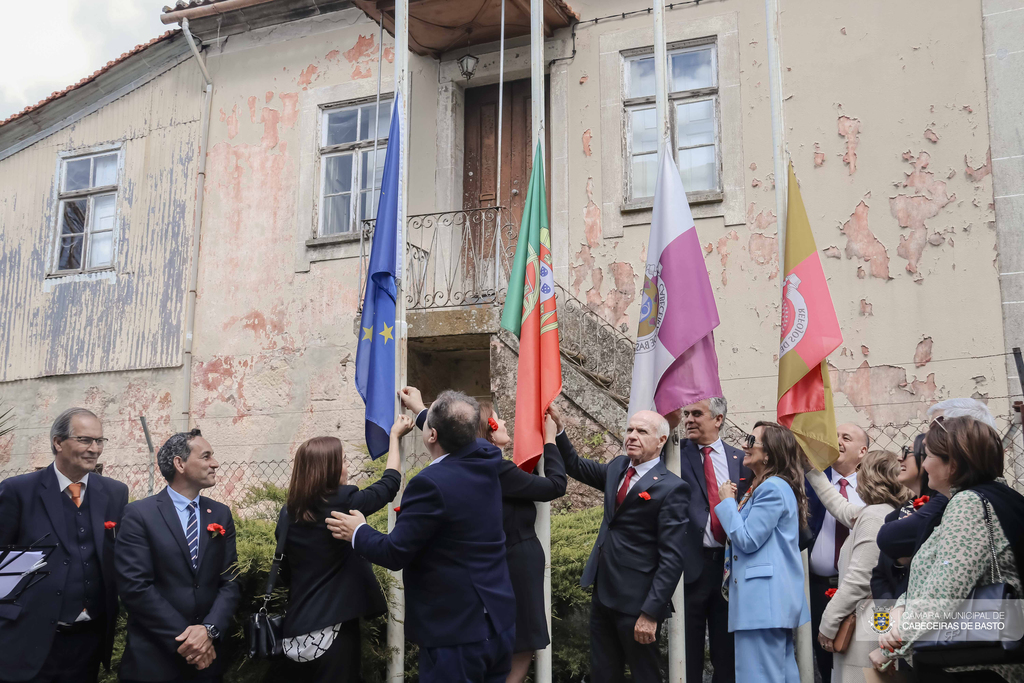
[(810, 331), (530, 314)]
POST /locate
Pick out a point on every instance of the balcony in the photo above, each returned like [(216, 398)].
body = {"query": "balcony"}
[(454, 259)]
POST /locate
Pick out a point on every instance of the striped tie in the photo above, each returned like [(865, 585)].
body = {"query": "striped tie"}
[(192, 535)]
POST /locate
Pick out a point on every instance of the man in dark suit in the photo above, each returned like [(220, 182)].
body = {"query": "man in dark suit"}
[(706, 464), (828, 535), (63, 627), (639, 554), (175, 560), (448, 539)]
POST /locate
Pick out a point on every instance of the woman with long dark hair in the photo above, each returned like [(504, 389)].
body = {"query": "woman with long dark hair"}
[(764, 571), (329, 586)]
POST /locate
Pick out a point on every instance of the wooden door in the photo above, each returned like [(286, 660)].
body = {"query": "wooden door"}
[(480, 171)]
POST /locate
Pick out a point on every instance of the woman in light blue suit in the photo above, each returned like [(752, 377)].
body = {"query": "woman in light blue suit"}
[(764, 580)]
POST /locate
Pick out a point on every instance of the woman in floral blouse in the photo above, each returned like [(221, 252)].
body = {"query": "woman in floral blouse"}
[(964, 462)]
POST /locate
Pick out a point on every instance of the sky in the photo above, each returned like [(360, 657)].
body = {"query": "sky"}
[(46, 45)]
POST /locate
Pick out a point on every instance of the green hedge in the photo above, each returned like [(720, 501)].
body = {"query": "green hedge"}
[(572, 537)]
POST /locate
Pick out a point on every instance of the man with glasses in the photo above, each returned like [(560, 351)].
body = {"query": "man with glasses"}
[(61, 628)]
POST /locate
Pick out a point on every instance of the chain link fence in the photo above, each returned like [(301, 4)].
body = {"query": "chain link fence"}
[(236, 479)]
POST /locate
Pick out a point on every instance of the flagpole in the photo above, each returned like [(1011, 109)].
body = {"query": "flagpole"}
[(804, 648), (676, 624), (396, 622), (542, 672)]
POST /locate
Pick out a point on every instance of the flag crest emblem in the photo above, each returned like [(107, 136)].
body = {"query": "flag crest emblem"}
[(880, 621)]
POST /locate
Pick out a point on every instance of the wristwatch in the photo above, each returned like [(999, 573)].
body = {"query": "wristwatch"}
[(212, 631)]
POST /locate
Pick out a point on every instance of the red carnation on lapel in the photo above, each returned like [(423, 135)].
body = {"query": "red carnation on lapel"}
[(645, 495), (109, 525), (830, 592), (398, 508), (919, 502), (215, 530)]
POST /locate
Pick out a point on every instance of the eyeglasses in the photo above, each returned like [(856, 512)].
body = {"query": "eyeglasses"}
[(939, 420), (750, 441), (904, 454), (88, 440)]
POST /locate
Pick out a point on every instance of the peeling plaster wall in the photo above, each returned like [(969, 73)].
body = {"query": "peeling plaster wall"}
[(111, 342), (892, 158)]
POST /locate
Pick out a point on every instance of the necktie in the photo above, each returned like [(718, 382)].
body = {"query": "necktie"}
[(621, 495), (76, 494), (712, 482), (841, 531), (192, 533)]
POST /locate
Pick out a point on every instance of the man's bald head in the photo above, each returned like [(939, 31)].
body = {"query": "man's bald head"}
[(853, 445), (645, 436)]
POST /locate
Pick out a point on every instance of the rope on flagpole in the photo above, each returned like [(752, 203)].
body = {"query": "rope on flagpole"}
[(497, 192)]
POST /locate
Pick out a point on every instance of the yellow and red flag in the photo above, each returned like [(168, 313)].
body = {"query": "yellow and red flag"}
[(531, 314), (810, 331)]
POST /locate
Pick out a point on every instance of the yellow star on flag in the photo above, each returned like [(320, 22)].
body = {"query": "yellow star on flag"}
[(367, 333), (386, 333)]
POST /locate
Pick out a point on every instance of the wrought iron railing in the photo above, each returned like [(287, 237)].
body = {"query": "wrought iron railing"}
[(455, 258), (595, 347)]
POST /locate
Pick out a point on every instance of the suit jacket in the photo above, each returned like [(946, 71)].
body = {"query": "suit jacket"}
[(328, 583), (692, 472), (161, 592), (449, 542), (640, 551), (766, 583), (815, 510), (31, 508)]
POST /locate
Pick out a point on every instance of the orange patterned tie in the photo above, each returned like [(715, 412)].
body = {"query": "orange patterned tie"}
[(76, 494)]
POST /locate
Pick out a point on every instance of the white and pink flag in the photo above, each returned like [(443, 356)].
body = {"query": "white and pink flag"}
[(675, 362)]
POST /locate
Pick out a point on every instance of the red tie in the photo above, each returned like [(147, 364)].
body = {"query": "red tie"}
[(841, 531), (621, 495), (712, 482)]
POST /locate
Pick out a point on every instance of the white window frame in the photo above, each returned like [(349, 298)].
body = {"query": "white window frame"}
[(356, 148), (89, 195), (675, 98)]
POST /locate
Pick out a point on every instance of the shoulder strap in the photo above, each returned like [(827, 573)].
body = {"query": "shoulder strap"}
[(275, 566), (997, 575)]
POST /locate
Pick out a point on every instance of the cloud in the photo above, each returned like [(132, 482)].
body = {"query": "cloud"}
[(47, 45)]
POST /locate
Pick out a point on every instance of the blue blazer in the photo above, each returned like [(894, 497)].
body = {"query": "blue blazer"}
[(766, 586), (448, 539)]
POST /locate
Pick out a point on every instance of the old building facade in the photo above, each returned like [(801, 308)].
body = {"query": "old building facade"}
[(888, 121)]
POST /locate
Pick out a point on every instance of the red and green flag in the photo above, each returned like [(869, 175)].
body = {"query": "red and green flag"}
[(530, 313), (810, 331)]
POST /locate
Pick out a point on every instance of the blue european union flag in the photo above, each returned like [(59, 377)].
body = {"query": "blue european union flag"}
[(375, 355)]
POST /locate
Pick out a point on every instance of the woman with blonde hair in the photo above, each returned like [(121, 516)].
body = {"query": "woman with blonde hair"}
[(764, 581), (879, 487)]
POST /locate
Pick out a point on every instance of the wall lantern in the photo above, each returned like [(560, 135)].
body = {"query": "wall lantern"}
[(467, 65)]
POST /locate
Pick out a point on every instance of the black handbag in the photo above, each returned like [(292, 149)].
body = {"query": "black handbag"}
[(263, 631), (961, 642)]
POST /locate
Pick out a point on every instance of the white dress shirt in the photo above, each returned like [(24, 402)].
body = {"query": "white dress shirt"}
[(181, 504), (362, 524), (63, 482), (823, 554), (641, 469), (721, 465)]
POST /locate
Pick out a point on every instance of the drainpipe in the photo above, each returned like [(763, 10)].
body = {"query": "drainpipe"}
[(193, 278)]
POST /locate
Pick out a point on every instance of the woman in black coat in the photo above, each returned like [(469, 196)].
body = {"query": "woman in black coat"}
[(523, 551), (330, 587)]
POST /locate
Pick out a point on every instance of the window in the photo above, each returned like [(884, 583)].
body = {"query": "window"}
[(86, 219), (693, 119), (349, 179)]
